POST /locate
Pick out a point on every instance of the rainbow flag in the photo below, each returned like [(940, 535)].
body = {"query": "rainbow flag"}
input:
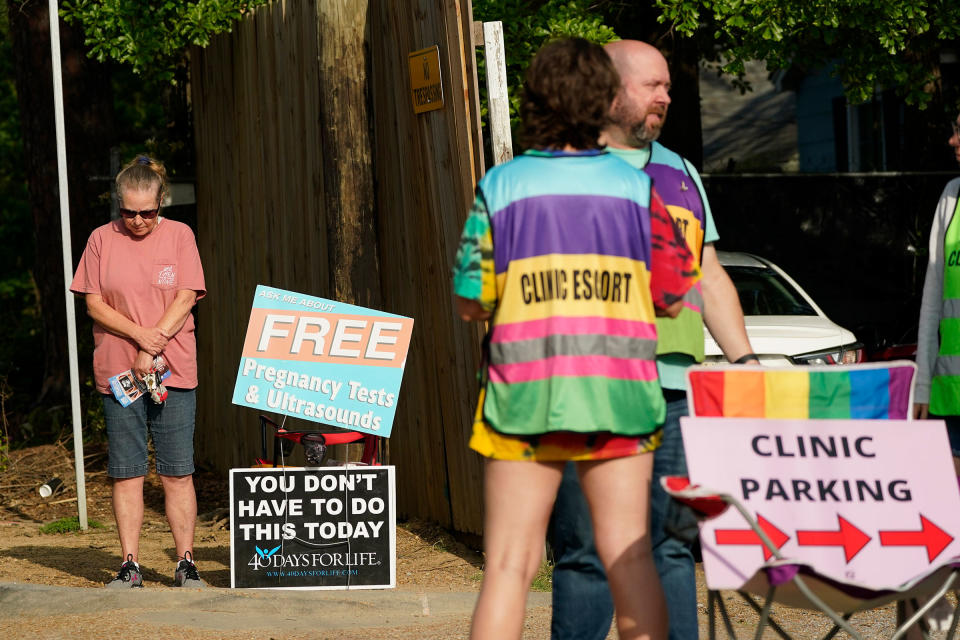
[(840, 392)]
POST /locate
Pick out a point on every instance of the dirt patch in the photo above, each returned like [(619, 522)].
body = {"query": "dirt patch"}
[(427, 556)]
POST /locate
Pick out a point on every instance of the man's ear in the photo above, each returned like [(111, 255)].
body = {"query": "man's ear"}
[(615, 103)]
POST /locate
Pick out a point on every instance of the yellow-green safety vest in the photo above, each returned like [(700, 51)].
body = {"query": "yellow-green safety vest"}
[(945, 383)]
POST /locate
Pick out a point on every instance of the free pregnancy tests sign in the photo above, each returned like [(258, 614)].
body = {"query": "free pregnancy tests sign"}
[(323, 360)]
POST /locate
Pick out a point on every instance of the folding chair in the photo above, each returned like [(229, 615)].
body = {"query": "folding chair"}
[(776, 412)]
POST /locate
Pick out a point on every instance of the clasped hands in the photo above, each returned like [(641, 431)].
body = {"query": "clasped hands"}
[(152, 341)]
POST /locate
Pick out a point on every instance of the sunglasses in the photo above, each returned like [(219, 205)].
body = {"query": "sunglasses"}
[(146, 214)]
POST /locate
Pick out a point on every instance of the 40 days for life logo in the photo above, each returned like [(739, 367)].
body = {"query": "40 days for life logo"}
[(303, 564)]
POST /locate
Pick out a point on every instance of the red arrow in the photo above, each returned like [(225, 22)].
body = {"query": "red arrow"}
[(930, 536), (749, 536), (848, 536)]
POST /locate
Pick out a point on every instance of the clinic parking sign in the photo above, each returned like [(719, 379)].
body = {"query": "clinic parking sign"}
[(872, 502)]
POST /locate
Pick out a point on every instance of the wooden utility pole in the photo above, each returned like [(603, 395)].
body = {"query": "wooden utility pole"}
[(347, 152)]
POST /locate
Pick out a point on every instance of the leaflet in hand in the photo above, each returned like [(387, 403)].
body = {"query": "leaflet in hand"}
[(127, 387)]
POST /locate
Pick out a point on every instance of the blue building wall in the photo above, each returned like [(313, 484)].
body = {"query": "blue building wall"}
[(815, 122)]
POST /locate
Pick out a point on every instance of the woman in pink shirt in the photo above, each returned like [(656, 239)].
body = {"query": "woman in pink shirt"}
[(141, 276)]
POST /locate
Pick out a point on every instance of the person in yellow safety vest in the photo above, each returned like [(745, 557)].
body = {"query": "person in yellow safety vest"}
[(937, 392)]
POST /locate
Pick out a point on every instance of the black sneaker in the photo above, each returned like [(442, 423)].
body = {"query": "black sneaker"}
[(128, 577), (186, 574)]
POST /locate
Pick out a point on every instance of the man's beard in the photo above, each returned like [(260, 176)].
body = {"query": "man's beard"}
[(642, 134)]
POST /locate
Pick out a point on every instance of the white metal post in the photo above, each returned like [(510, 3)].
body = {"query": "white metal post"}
[(67, 261), (498, 99)]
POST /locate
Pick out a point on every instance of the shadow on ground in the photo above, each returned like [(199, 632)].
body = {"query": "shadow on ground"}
[(95, 565), (100, 565)]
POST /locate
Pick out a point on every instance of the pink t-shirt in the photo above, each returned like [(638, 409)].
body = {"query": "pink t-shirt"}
[(140, 277)]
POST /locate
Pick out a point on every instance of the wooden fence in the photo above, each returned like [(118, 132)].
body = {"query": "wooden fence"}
[(315, 175)]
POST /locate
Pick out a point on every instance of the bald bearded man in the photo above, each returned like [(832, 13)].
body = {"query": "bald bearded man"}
[(582, 606)]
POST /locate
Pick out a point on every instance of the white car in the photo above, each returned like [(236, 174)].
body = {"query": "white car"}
[(784, 324)]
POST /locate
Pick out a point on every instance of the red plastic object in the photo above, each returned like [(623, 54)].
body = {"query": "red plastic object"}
[(370, 442), (706, 506)]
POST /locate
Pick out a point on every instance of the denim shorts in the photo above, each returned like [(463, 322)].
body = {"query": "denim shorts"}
[(170, 425), (953, 432)]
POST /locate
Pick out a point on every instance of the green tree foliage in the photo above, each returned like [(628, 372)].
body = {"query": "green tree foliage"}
[(527, 26), (150, 114), (873, 43), (152, 37)]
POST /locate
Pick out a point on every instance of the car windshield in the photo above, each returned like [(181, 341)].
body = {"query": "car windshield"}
[(763, 292)]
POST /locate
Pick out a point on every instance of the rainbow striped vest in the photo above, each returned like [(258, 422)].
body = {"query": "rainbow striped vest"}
[(573, 341), (683, 334)]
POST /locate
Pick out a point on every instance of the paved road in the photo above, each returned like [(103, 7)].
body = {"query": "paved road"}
[(261, 613)]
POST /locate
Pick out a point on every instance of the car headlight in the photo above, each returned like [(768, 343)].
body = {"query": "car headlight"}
[(847, 354)]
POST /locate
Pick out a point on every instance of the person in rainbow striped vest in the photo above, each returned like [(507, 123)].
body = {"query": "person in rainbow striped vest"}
[(582, 607), (571, 255), (937, 392)]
